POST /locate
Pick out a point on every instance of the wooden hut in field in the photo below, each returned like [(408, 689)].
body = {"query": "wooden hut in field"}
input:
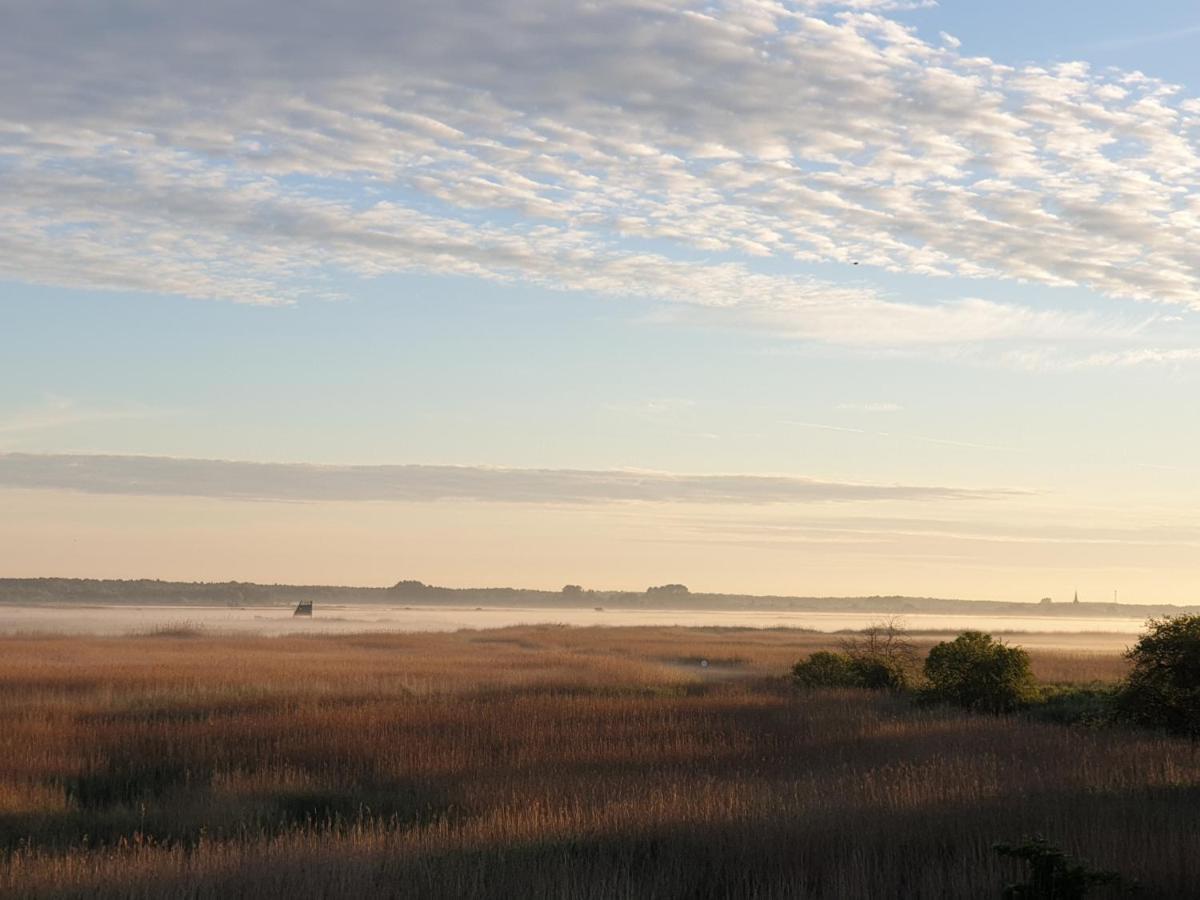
[(303, 608)]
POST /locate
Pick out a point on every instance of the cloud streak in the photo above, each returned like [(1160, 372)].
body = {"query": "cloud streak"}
[(1052, 360), (62, 412), (222, 479), (883, 530), (819, 426)]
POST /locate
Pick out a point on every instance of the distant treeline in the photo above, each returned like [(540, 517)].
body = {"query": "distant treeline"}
[(409, 592)]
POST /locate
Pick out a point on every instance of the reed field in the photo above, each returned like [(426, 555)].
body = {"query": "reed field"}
[(547, 761)]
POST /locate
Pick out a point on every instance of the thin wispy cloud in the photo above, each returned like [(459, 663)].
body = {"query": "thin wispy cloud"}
[(655, 409), (60, 412), (877, 529), (1142, 40), (223, 479), (870, 407), (1054, 360), (946, 442)]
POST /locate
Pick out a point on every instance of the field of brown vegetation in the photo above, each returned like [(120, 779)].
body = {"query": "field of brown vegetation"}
[(546, 762)]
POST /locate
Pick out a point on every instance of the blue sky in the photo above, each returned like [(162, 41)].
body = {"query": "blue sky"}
[(1154, 38), (825, 242)]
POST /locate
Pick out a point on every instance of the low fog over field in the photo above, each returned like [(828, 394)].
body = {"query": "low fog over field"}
[(1097, 633), (113, 607)]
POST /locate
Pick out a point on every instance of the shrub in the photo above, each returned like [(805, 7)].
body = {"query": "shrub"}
[(1163, 688), (977, 672), (881, 674), (826, 670), (1074, 704), (1053, 875), (882, 656), (879, 658)]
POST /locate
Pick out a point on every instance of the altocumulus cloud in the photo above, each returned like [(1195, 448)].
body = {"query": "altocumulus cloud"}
[(221, 479), (246, 151)]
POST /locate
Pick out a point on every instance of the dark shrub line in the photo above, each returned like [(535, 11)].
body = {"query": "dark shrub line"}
[(1053, 875), (979, 673)]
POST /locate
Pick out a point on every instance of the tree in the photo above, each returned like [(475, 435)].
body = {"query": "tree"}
[(572, 590), (1163, 687), (976, 671), (671, 590), (409, 586)]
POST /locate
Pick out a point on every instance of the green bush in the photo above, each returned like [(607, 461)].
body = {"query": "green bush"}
[(1163, 688), (881, 673), (1074, 704), (826, 670), (877, 658), (977, 672)]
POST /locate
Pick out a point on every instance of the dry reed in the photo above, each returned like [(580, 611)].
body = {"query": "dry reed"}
[(545, 761)]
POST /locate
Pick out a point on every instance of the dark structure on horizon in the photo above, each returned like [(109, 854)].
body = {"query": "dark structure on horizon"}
[(303, 608)]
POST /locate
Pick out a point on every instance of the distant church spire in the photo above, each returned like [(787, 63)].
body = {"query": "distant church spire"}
[(1077, 596)]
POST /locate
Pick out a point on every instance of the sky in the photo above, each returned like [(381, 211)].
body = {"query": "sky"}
[(809, 297)]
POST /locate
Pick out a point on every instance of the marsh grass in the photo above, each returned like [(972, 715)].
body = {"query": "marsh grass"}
[(181, 629), (542, 761)]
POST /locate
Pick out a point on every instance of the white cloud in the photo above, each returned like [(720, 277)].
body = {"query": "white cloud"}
[(635, 148), (222, 479)]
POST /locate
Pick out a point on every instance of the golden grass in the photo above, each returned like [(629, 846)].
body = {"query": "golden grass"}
[(544, 761)]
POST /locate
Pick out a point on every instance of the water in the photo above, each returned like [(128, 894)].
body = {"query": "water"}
[(330, 618)]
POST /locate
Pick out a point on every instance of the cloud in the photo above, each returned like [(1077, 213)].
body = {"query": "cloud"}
[(882, 530), (872, 407), (633, 148), (62, 412), (655, 408), (947, 442), (1140, 40), (1050, 359), (221, 479)]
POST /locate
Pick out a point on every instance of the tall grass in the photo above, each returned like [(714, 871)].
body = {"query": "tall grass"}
[(548, 762)]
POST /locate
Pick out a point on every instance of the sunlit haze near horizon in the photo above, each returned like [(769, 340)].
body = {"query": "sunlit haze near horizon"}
[(812, 297)]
